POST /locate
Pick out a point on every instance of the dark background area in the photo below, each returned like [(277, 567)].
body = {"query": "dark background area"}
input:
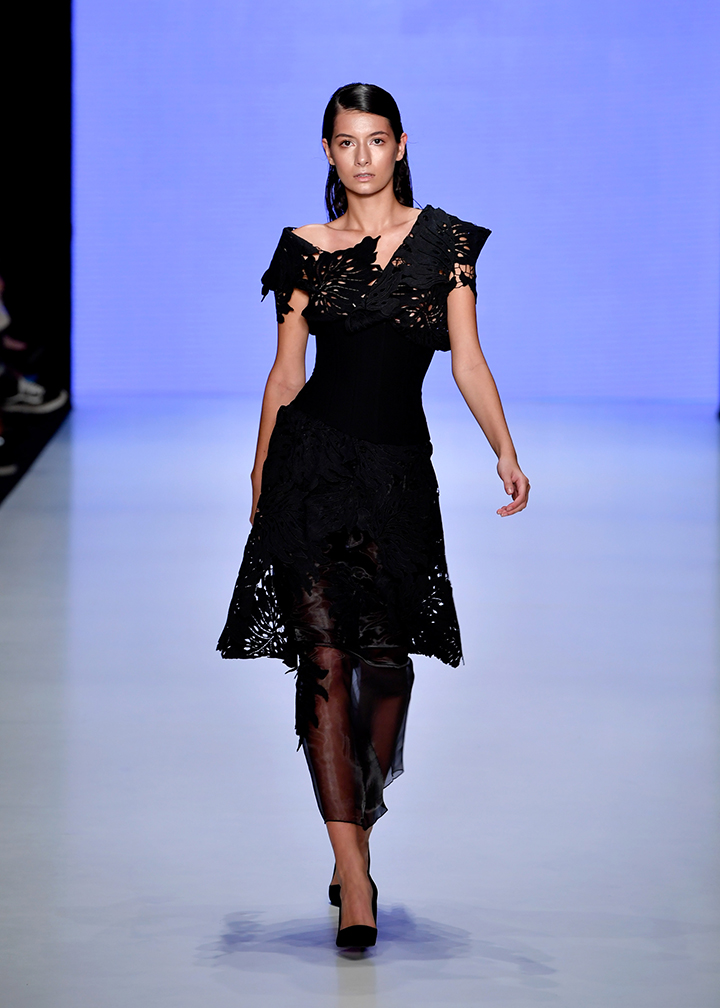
[(35, 167)]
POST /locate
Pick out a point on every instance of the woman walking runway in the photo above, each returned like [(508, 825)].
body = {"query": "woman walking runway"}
[(344, 573)]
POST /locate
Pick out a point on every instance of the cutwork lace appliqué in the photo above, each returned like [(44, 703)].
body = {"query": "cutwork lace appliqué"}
[(410, 292)]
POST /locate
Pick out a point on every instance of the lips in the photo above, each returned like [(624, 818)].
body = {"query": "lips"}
[(364, 175)]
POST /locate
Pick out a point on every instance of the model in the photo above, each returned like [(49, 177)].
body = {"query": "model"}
[(344, 572)]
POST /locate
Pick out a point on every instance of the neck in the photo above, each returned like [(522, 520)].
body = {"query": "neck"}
[(375, 213)]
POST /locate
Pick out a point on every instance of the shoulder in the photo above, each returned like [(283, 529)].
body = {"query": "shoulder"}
[(444, 221), (310, 232), (462, 237), (288, 263), (292, 248)]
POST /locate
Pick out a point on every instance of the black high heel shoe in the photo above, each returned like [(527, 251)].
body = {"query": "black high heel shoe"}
[(359, 935), (334, 888), (334, 892)]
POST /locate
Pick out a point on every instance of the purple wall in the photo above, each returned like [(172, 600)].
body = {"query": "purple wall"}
[(585, 134)]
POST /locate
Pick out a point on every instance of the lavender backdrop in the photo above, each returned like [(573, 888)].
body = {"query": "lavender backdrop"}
[(585, 134)]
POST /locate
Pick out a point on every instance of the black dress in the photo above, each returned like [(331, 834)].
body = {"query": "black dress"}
[(344, 571)]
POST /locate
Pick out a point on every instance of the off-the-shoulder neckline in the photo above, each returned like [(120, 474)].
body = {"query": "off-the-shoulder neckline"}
[(367, 238)]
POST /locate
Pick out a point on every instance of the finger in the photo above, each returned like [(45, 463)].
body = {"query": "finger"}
[(519, 501), (522, 491), (511, 509), (512, 489)]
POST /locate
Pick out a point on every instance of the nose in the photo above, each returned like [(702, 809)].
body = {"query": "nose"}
[(361, 158)]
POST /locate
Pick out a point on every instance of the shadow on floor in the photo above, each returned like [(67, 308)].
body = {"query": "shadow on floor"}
[(403, 936)]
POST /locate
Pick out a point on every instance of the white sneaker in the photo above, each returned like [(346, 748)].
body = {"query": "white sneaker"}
[(30, 398)]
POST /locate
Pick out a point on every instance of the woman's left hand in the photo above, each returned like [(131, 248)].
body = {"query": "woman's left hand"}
[(516, 484)]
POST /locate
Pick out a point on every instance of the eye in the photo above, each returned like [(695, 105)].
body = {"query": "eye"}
[(378, 140), (343, 142)]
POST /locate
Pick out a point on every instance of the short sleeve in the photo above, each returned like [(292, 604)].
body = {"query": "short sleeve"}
[(287, 270), (469, 240)]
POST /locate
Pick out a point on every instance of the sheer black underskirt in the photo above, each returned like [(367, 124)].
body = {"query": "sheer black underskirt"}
[(354, 714), (344, 576)]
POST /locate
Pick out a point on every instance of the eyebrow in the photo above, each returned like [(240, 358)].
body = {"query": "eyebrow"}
[(351, 137)]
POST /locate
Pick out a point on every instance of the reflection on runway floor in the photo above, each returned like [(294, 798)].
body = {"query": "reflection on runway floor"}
[(553, 841)]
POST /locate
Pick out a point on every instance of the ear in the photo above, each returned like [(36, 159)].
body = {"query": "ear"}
[(326, 148), (402, 142)]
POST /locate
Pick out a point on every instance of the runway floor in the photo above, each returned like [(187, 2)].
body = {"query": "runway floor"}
[(554, 838)]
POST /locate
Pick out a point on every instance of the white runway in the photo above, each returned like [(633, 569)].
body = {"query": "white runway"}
[(553, 841)]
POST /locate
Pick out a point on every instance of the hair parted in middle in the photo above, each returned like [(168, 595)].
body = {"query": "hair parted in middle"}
[(375, 100)]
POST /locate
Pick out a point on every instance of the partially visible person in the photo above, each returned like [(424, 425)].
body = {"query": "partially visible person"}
[(26, 384), (8, 464)]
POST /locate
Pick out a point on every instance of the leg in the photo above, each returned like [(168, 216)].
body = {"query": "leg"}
[(362, 839), (351, 862), (351, 719), (337, 779), (386, 679), (325, 725)]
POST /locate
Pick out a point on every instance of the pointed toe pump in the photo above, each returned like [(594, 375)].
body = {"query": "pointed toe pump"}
[(359, 935)]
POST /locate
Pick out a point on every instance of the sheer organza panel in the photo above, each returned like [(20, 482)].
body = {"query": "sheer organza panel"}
[(351, 702), (354, 742)]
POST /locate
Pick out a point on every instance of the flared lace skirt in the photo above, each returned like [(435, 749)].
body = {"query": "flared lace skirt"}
[(346, 552)]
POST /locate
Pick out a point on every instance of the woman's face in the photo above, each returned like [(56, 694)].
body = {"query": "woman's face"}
[(364, 151)]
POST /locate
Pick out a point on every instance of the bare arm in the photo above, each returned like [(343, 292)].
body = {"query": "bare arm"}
[(479, 391), (286, 378)]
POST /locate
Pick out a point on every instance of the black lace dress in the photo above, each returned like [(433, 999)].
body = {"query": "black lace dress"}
[(344, 571)]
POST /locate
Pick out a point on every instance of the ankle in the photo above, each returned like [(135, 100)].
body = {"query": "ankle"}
[(352, 868), (355, 882)]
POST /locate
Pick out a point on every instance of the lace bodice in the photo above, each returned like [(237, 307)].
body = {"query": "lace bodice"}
[(410, 293)]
